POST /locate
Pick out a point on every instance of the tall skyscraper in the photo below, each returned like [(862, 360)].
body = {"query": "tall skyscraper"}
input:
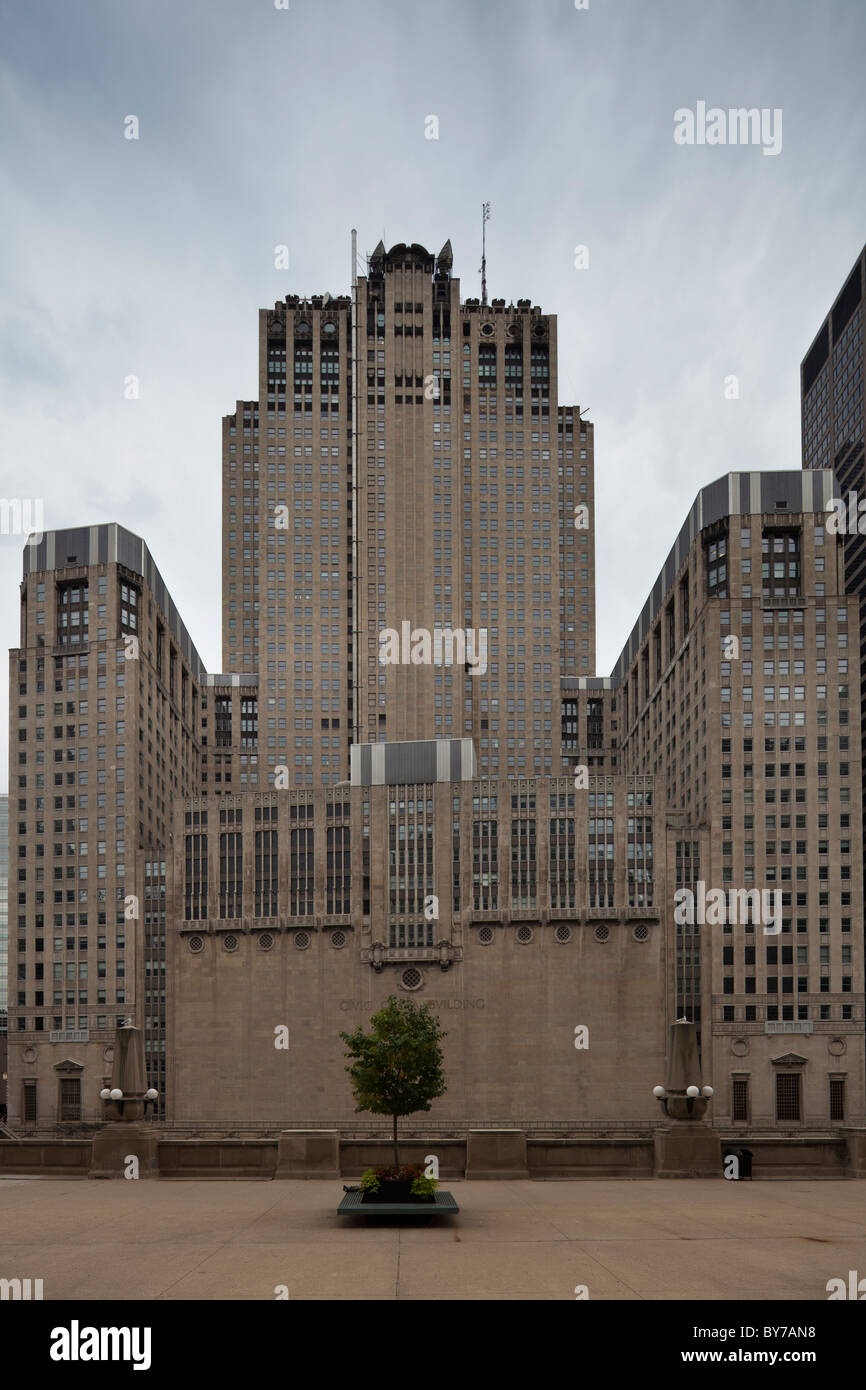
[(407, 470)]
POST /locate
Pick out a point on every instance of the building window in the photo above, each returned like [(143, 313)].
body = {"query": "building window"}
[(716, 566), (523, 862), (70, 1098), (740, 1100), (787, 1096), (195, 877), (485, 865), (563, 887), (223, 721), (266, 868), (129, 606), (487, 366), (231, 873), (339, 869), (780, 564), (837, 1099), (72, 613), (31, 1105), (301, 871)]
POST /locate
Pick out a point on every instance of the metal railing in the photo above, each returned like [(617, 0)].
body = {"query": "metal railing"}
[(373, 1129)]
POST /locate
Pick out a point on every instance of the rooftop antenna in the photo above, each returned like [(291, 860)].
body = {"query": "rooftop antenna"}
[(485, 216), (356, 376)]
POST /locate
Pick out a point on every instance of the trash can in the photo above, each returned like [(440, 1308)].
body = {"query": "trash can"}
[(744, 1162)]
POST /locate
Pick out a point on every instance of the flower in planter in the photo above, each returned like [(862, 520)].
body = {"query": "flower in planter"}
[(397, 1182), (424, 1187)]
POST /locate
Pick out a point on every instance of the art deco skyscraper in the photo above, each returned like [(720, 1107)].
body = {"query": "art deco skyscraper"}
[(407, 469)]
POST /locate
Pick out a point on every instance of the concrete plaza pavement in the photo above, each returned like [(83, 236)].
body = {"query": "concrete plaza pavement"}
[(622, 1240)]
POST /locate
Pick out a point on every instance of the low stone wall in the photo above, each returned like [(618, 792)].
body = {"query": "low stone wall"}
[(590, 1158), (799, 1157), (481, 1154), (217, 1158), (62, 1158)]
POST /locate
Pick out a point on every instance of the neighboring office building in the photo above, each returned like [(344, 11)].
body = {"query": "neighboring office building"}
[(758, 742), (4, 946), (833, 386), (104, 734), (832, 398)]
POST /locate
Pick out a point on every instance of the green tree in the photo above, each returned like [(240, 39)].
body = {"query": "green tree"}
[(397, 1068)]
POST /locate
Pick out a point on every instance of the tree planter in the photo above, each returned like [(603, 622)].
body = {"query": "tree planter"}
[(396, 1070), (443, 1204)]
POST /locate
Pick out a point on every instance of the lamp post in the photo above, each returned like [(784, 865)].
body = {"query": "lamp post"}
[(688, 1148), (128, 1096), (680, 1105), (126, 1101)]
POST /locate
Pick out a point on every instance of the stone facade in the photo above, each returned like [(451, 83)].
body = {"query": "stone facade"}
[(497, 917)]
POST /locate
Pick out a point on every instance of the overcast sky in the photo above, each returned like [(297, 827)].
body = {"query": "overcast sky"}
[(261, 126)]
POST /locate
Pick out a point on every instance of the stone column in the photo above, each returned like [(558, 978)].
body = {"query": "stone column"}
[(125, 1150), (855, 1153), (496, 1153), (308, 1153)]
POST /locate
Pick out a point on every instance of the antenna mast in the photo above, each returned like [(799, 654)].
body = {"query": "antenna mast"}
[(356, 548), (485, 215)]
